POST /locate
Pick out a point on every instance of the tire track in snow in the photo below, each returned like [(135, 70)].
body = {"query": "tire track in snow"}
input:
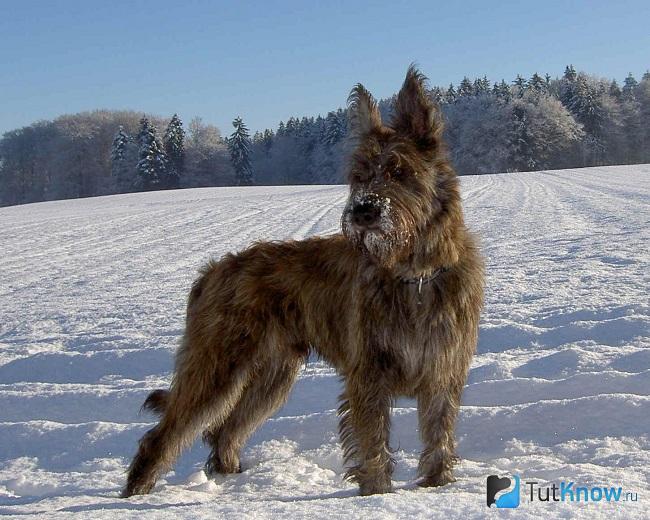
[(312, 224)]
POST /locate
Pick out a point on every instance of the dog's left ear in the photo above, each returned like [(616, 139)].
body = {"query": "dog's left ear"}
[(416, 115), (364, 113)]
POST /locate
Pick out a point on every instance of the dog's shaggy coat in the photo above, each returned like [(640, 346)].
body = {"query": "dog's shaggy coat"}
[(392, 303)]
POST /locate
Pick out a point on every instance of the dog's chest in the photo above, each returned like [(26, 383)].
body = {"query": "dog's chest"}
[(410, 332)]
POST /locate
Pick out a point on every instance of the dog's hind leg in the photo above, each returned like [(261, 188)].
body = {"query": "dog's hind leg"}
[(266, 392), (199, 395)]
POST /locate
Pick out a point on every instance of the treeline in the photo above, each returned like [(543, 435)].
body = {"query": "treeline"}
[(73, 156), (531, 124), (535, 123)]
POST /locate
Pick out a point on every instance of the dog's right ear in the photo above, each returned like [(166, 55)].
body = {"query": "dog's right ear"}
[(416, 116), (364, 113)]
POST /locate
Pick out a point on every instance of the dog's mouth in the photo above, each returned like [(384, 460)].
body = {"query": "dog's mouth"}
[(373, 242), (364, 230)]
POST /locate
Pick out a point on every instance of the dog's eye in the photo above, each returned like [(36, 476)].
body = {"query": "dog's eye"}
[(397, 173), (360, 176)]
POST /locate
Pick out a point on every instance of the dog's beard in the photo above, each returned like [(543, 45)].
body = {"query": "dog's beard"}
[(379, 243)]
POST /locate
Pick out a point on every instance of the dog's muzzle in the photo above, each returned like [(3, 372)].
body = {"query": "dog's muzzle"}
[(365, 215)]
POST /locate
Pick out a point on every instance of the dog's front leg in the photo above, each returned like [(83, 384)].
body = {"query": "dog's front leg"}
[(437, 411), (365, 433)]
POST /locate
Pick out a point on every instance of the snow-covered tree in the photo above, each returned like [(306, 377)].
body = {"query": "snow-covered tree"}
[(334, 128), (451, 95), (588, 104), (481, 86), (502, 91), (475, 134), (239, 145), (643, 99), (207, 161), (465, 89), (437, 95), (174, 141), (267, 141), (537, 84), (151, 169), (615, 90), (541, 130), (629, 86), (570, 73), (519, 85), (121, 166), (143, 130)]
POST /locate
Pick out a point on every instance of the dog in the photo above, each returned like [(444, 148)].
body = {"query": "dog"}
[(392, 302)]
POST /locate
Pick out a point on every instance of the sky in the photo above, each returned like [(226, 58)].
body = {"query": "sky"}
[(268, 60)]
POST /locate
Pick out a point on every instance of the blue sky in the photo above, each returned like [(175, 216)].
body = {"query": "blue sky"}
[(269, 60)]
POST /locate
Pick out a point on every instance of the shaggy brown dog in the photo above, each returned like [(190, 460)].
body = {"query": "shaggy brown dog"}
[(392, 303)]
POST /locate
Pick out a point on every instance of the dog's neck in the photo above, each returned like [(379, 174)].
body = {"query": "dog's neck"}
[(443, 240)]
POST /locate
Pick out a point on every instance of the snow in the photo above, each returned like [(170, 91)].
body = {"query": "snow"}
[(92, 296)]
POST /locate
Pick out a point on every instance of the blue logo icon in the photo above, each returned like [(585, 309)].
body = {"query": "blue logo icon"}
[(507, 500)]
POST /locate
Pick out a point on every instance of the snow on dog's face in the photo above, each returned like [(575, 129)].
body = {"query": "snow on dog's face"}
[(392, 172)]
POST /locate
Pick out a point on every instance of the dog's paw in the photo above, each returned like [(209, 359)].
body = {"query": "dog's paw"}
[(139, 488), (215, 466), (375, 488), (442, 479)]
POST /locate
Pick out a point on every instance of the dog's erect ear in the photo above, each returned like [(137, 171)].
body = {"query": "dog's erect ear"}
[(364, 114), (416, 115)]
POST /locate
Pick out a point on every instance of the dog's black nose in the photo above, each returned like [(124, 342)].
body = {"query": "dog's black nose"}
[(365, 214)]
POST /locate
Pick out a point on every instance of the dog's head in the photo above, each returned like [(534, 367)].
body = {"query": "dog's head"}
[(397, 172)]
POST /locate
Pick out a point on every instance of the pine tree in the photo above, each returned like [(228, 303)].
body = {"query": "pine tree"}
[(520, 85), (144, 130), (267, 141), (151, 167), (502, 91), (118, 150), (586, 104), (522, 155), (437, 95), (174, 141), (477, 87), (481, 86), (291, 126), (239, 145), (537, 84), (451, 94), (465, 89), (567, 86), (570, 73), (547, 81), (119, 162), (615, 90), (629, 86), (334, 130)]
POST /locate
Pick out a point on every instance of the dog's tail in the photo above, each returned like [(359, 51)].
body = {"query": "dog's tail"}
[(156, 401)]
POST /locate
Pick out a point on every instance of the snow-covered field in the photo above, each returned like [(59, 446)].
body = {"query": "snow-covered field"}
[(92, 296)]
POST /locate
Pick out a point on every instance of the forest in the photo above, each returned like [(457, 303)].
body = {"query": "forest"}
[(529, 124)]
